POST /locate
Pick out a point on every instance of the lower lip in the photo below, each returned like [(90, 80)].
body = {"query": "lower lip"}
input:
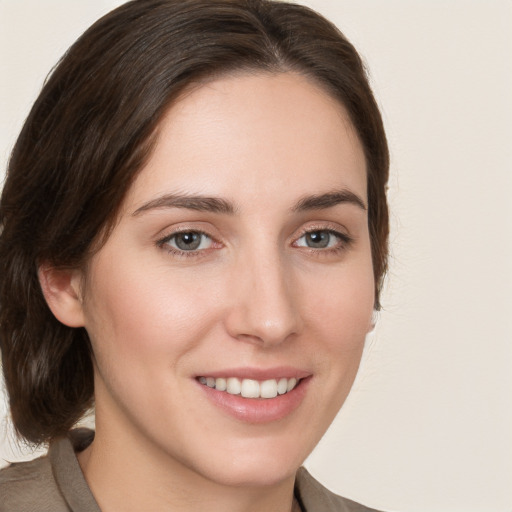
[(258, 410)]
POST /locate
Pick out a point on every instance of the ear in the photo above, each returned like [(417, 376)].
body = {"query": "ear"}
[(62, 291)]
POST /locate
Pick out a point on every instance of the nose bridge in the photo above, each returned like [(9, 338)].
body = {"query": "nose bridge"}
[(264, 307)]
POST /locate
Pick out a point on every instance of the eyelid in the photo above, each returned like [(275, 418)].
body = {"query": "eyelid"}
[(345, 239), (162, 241), (186, 227), (328, 226)]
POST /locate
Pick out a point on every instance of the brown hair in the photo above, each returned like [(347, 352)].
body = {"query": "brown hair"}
[(89, 134)]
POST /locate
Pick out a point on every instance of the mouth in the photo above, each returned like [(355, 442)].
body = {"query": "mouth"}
[(250, 388), (256, 396)]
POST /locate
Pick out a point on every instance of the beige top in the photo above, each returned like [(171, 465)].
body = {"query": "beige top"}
[(55, 483)]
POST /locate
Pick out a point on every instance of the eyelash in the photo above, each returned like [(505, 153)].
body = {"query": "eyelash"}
[(164, 244), (344, 242)]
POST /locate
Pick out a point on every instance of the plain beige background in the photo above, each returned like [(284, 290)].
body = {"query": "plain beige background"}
[(428, 426)]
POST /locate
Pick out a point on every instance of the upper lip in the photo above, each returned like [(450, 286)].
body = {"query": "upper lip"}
[(260, 374)]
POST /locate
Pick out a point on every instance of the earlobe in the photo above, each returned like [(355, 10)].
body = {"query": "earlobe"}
[(62, 291)]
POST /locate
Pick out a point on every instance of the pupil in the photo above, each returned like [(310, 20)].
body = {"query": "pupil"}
[(188, 241), (318, 239)]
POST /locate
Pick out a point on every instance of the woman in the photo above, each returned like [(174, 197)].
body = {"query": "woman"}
[(194, 240)]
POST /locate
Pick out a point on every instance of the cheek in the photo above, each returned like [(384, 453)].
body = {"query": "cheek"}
[(152, 316), (340, 319), (342, 308)]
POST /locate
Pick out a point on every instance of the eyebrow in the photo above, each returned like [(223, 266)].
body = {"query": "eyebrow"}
[(328, 200), (224, 206), (189, 202)]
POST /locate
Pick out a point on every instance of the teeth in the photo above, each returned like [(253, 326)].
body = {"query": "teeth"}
[(221, 384), (268, 388), (282, 386), (250, 388), (234, 386)]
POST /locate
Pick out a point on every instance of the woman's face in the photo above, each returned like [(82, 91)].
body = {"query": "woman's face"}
[(241, 260)]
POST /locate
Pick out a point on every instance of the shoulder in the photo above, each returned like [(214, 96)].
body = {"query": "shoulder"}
[(30, 486), (314, 497)]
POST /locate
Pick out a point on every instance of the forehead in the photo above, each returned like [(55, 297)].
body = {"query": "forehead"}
[(261, 133)]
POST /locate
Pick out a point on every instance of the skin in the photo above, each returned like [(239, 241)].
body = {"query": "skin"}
[(254, 294)]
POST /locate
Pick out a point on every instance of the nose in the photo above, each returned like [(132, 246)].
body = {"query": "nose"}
[(264, 308)]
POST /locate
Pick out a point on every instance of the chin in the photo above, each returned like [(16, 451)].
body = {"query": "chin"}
[(268, 473), (255, 463)]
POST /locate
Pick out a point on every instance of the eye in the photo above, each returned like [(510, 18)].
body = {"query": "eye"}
[(188, 241), (321, 239)]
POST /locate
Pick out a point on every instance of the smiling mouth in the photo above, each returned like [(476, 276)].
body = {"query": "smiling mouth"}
[(249, 388)]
